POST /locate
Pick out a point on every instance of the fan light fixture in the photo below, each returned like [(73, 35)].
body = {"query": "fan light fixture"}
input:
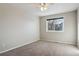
[(43, 6)]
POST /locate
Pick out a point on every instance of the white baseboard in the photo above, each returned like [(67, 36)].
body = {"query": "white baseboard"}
[(17, 46), (57, 42)]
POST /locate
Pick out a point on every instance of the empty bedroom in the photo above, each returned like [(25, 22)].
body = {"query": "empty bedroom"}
[(39, 29)]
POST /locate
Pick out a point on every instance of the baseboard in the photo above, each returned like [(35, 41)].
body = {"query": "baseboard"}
[(17, 46), (57, 42)]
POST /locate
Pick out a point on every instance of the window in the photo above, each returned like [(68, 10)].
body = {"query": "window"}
[(55, 24)]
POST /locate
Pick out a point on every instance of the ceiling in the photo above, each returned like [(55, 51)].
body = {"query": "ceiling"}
[(53, 8)]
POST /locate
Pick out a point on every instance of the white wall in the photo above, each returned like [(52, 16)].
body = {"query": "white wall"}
[(69, 35), (78, 27), (17, 27)]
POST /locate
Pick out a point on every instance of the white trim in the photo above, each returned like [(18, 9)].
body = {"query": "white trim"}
[(57, 42), (17, 46)]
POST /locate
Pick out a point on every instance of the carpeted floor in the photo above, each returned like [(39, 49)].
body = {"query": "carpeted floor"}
[(44, 48)]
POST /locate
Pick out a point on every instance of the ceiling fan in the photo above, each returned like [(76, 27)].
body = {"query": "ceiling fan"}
[(43, 6)]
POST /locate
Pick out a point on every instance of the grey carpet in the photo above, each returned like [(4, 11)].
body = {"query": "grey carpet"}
[(44, 48)]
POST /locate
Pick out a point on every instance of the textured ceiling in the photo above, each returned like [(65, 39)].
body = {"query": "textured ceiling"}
[(53, 8)]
